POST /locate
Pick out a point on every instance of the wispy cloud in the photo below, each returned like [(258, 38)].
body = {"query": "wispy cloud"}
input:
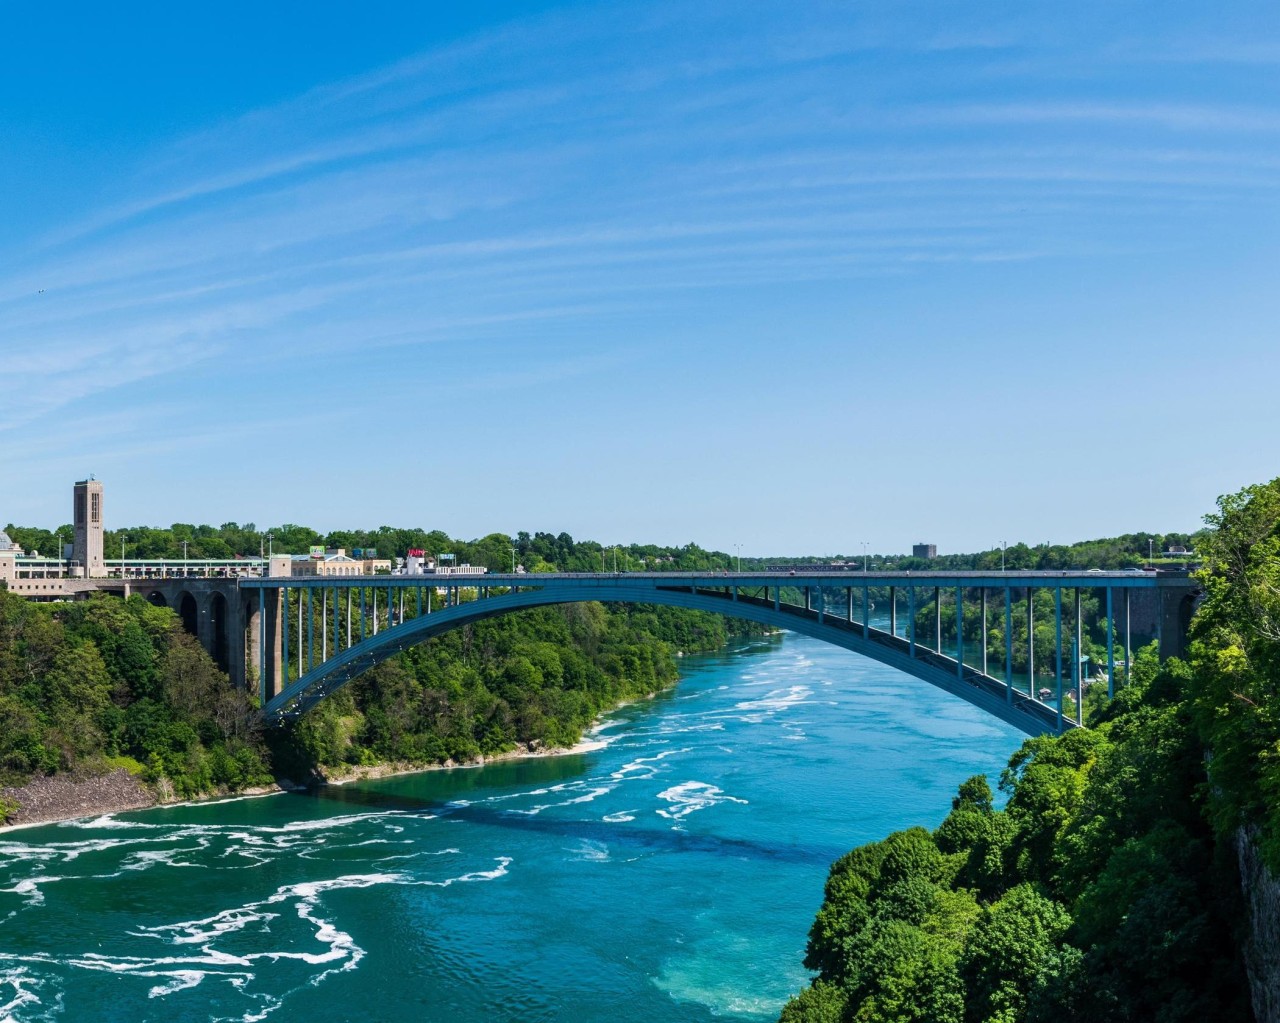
[(539, 203)]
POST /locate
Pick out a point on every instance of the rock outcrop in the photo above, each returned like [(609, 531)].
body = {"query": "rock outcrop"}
[(1262, 945)]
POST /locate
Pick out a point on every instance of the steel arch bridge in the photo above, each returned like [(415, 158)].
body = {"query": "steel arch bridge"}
[(384, 615)]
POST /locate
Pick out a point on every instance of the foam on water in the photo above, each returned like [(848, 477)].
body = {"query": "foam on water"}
[(22, 987), (336, 951), (310, 904), (690, 797)]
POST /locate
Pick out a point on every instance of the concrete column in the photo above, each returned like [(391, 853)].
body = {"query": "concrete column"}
[(252, 643), (275, 642)]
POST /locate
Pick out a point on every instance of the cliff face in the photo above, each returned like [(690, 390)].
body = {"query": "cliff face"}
[(1262, 948)]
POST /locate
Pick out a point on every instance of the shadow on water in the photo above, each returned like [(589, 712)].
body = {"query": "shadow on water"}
[(629, 833)]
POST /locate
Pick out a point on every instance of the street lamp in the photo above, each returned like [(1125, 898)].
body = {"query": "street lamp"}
[(186, 570), (738, 547), (121, 555), (1003, 545), (1150, 550), (61, 569), (513, 561), (270, 550), (864, 555)]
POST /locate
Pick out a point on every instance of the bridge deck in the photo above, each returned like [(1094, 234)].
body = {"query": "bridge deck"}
[(1069, 579)]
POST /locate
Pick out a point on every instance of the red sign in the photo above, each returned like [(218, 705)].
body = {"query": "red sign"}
[(414, 552)]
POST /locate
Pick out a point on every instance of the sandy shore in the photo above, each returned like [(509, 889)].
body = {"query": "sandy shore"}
[(344, 775), (68, 797)]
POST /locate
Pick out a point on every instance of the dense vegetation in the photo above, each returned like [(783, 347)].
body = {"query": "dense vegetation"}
[(105, 683), (1131, 550), (110, 683), (537, 552), (1107, 886), (561, 552)]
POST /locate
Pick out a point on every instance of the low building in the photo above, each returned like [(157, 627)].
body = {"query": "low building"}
[(331, 563), (420, 563)]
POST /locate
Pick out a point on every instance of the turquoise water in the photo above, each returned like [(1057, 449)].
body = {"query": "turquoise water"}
[(669, 876)]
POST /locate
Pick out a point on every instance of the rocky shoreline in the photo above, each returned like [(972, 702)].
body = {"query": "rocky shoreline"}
[(54, 798), (65, 797)]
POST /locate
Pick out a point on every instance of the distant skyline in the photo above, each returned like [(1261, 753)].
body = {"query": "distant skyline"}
[(793, 277)]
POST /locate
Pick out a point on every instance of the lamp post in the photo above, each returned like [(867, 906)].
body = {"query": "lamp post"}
[(122, 538), (270, 550), (1003, 545), (513, 561), (1150, 550), (186, 569), (738, 548), (61, 571), (864, 555)]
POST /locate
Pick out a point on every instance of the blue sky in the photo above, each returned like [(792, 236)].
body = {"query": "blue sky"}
[(789, 276)]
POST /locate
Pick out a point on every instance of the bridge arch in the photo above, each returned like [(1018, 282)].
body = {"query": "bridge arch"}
[(157, 599), (189, 611), (1015, 708), (219, 637)]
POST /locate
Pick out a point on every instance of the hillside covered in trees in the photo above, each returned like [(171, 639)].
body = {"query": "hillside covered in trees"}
[(1130, 875), (103, 684)]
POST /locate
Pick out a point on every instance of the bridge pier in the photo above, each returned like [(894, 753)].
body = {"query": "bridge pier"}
[(262, 624)]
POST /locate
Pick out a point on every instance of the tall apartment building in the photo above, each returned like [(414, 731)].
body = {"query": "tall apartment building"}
[(87, 548), (924, 550)]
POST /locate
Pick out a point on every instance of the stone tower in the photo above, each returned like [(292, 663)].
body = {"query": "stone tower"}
[(87, 504)]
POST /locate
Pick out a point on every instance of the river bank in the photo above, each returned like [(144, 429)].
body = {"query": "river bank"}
[(670, 877), (53, 798)]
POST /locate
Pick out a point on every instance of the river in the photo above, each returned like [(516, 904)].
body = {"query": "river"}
[(669, 876)]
